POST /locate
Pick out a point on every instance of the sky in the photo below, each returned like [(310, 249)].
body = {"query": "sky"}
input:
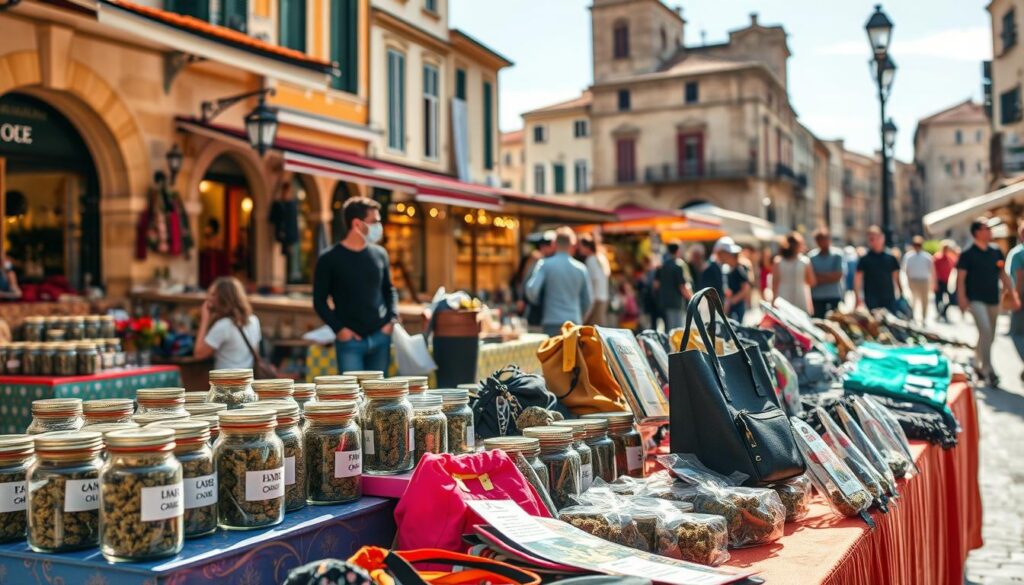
[(937, 45)]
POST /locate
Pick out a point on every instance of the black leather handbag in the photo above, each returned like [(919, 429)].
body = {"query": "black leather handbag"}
[(724, 409)]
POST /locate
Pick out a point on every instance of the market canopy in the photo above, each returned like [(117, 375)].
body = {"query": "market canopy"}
[(739, 226), (959, 214), (669, 224)]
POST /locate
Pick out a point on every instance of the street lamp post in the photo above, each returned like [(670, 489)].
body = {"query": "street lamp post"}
[(879, 29)]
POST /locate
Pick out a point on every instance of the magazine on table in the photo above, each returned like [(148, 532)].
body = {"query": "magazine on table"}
[(630, 368)]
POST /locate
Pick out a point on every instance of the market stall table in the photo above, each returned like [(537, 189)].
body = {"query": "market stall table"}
[(925, 537), (18, 392)]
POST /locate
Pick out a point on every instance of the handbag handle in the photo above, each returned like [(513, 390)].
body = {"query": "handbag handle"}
[(400, 565), (710, 295)]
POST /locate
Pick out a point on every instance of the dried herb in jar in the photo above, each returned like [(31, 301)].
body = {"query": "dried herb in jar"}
[(64, 492), (388, 432), (192, 450), (629, 450), (431, 425), (232, 387), (55, 414), (250, 470), (290, 433), (333, 452), (563, 463), (603, 449), (579, 433), (461, 431), (16, 455)]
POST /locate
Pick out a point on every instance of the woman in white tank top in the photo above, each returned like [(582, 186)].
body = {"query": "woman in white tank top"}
[(792, 276)]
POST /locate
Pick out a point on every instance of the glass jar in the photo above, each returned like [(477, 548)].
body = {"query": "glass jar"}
[(563, 463), (364, 375), (107, 328), (31, 359), (16, 455), (290, 433), (629, 445), (142, 497), (161, 400), (104, 428), (334, 458), (304, 393), (55, 414), (47, 363), (579, 444), (214, 421), (13, 357), (231, 387), (92, 327), (388, 433), (32, 329), (65, 363), (249, 458), (147, 418), (55, 334), (75, 330), (603, 449), (195, 398), (461, 432), (342, 379), (192, 450), (343, 391), (417, 384), (525, 453), (114, 345), (108, 410), (274, 389), (430, 425), (64, 492), (88, 358), (205, 409)]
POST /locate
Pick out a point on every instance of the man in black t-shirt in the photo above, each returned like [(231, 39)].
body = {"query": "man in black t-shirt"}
[(980, 269), (878, 275), (672, 281)]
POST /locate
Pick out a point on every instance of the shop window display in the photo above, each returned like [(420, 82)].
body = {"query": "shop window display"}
[(226, 223), (404, 240), (497, 251)]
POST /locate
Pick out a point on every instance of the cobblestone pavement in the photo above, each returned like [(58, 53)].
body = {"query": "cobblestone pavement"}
[(1001, 419)]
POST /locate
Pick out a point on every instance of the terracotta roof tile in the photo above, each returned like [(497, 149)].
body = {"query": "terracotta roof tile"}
[(582, 101), (222, 34), (965, 112), (512, 137)]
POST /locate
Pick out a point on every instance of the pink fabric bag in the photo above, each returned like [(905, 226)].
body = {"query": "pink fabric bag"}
[(433, 512)]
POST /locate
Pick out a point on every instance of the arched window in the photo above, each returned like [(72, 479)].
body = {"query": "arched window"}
[(620, 39)]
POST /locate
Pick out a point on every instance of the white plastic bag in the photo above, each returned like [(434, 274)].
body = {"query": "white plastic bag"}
[(411, 353)]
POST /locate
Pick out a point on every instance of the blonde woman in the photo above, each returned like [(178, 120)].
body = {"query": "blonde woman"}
[(227, 326)]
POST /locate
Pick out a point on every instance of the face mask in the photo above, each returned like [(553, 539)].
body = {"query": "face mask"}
[(374, 232)]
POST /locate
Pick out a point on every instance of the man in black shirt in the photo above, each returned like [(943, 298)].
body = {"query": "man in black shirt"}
[(979, 270), (878, 275), (356, 274), (672, 281)]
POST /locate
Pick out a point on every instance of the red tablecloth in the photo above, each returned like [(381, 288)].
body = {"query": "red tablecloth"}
[(924, 538)]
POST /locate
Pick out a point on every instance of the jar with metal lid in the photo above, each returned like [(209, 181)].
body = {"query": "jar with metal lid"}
[(31, 359), (65, 362), (290, 433), (56, 335), (364, 375), (32, 329), (146, 418), (108, 410), (334, 457), (55, 414), (461, 432), (343, 391), (274, 389), (104, 428), (473, 389), (195, 397), (14, 353), (232, 387), (579, 444), (192, 450), (142, 497), (92, 327), (47, 365), (525, 453), (629, 445), (16, 455), (214, 421), (114, 345), (162, 400), (88, 358), (303, 393), (335, 379), (206, 408), (563, 463), (64, 492), (430, 424), (388, 433), (603, 449), (249, 457), (75, 330), (417, 384), (107, 328)]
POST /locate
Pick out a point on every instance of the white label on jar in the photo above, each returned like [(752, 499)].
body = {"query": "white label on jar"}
[(12, 496), (412, 439), (368, 442), (264, 485), (289, 471), (634, 458), (348, 464), (200, 491), (162, 502), (588, 476), (81, 495), (470, 436)]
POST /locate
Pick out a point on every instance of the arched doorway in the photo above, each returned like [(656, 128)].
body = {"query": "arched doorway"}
[(311, 239), (51, 187), (227, 222)]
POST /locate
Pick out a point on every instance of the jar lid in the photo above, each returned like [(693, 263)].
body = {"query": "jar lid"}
[(231, 376), (112, 340), (329, 408), (212, 420), (77, 318), (160, 395), (11, 445), (33, 345), (338, 391), (64, 441), (108, 405), (85, 345), (247, 417), (362, 375), (426, 400), (104, 428), (512, 444), (274, 385), (596, 426), (107, 317), (205, 408), (57, 406), (451, 396), (342, 379), (549, 435), (34, 319), (192, 430), (66, 346), (579, 427), (381, 388), (417, 382), (621, 417), (304, 391), (285, 409), (155, 438), (196, 397), (151, 417), (92, 317)]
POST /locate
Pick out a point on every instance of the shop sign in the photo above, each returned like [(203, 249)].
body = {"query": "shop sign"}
[(16, 133), (31, 128)]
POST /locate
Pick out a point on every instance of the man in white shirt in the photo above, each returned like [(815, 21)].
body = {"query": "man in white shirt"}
[(599, 273), (919, 268)]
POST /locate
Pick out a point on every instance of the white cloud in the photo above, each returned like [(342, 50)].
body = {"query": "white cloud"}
[(962, 44), (515, 102)]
